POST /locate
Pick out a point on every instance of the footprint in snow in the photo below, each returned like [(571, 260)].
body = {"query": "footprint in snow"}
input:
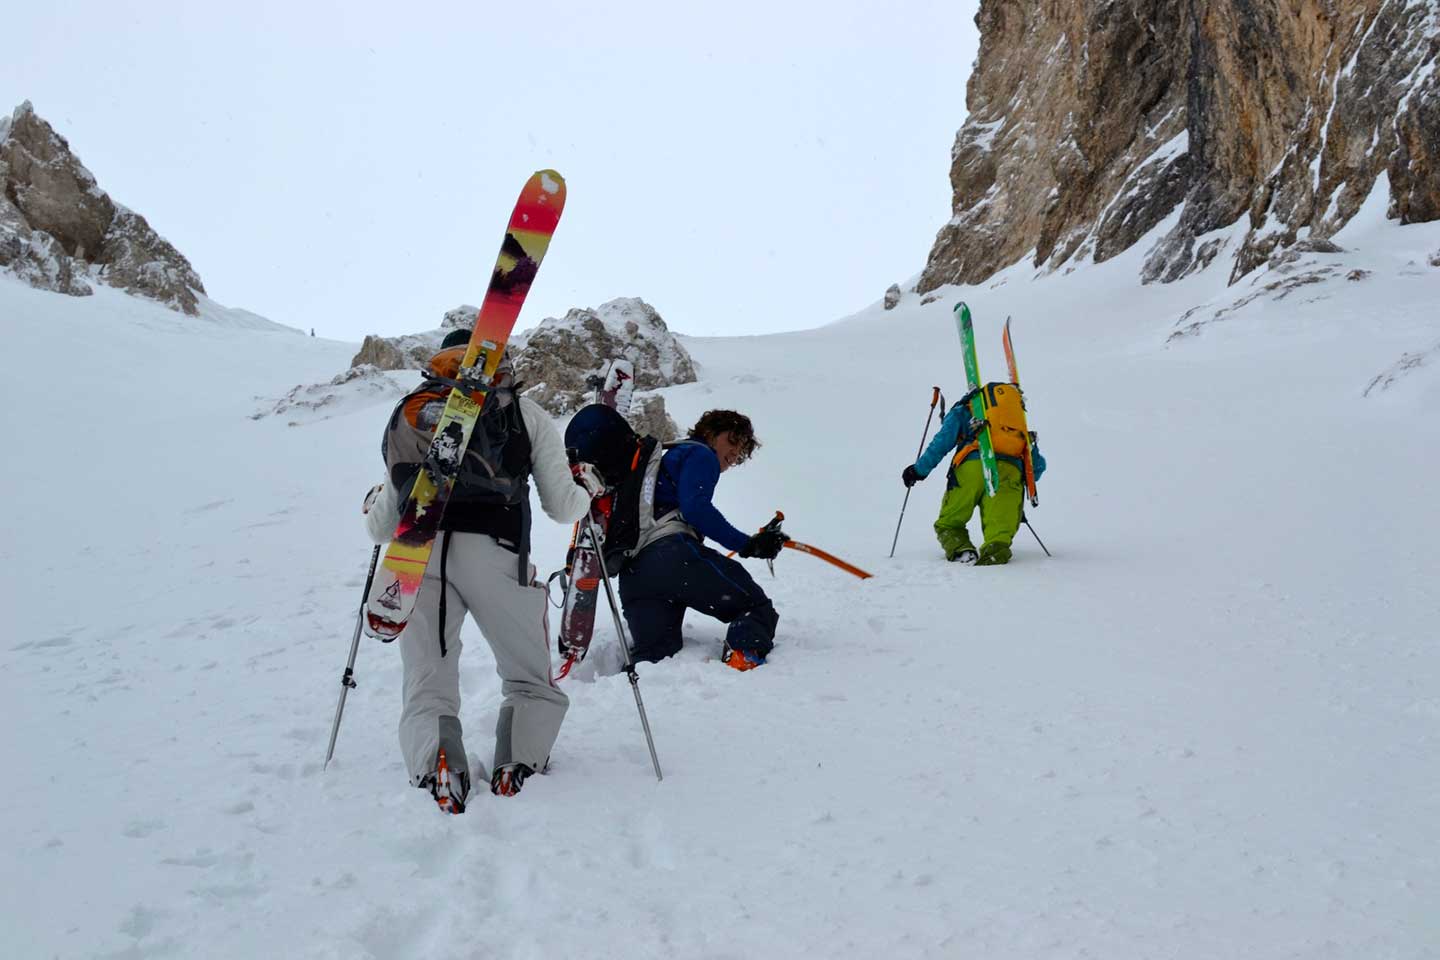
[(140, 829), (204, 507), (63, 640)]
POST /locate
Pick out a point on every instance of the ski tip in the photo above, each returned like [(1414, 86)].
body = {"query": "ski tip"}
[(550, 180), (962, 308)]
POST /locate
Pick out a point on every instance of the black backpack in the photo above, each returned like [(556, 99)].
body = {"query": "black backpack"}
[(629, 464)]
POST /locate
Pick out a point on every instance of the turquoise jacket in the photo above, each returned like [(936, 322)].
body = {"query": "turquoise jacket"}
[(954, 433)]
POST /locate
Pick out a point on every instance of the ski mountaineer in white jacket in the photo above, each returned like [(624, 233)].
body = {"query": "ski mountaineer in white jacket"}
[(480, 565)]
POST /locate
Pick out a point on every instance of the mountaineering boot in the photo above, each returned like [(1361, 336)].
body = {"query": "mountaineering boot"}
[(993, 554), (965, 555), (740, 659), (450, 783), (448, 786), (508, 779)]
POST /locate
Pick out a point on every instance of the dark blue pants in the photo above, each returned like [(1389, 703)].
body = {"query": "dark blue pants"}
[(678, 573)]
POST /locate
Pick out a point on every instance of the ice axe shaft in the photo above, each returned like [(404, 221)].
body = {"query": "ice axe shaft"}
[(774, 524)]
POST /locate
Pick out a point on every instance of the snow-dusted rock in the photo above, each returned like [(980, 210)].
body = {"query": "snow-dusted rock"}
[(649, 417), (57, 225), (561, 353), (554, 360), (34, 255), (892, 296), (411, 351), (357, 387)]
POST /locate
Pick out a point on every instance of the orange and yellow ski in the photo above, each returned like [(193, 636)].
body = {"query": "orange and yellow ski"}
[(1015, 379), (397, 582)]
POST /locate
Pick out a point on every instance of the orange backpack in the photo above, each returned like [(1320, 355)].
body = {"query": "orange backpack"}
[(1005, 412)]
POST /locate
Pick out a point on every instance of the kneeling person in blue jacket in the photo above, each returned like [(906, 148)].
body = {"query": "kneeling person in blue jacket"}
[(675, 571)]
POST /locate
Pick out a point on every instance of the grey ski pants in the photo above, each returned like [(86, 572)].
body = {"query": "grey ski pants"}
[(479, 579)]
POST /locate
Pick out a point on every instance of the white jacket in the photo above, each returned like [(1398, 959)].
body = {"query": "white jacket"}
[(561, 498)]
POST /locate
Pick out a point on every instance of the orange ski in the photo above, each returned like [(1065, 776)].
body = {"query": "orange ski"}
[(1015, 379)]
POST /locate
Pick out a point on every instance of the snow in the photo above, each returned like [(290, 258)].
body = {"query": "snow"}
[(981, 136), (1371, 215), (1152, 166), (1206, 728)]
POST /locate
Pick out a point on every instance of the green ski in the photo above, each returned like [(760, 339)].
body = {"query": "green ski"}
[(977, 396)]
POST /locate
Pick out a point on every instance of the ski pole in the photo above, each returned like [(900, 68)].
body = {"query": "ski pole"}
[(934, 399), (624, 644), (347, 679), (1026, 520)]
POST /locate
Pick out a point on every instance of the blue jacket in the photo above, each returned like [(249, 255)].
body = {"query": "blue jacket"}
[(689, 472), (954, 433)]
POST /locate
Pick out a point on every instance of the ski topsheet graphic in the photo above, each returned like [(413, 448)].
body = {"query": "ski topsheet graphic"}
[(397, 582)]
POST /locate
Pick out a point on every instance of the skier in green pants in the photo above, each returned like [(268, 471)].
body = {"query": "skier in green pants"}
[(965, 487)]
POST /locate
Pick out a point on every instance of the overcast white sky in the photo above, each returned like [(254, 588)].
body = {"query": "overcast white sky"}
[(350, 166)]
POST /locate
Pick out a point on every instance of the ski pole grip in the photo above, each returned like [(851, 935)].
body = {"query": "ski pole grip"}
[(934, 397)]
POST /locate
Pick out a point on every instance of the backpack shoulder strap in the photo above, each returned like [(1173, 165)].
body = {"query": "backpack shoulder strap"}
[(651, 527)]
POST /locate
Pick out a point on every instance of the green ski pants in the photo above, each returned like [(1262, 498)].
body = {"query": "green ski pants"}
[(999, 515)]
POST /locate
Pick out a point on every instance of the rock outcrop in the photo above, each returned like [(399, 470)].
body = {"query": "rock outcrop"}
[(411, 351), (1094, 122), (555, 361), (561, 353), (59, 230), (650, 418)]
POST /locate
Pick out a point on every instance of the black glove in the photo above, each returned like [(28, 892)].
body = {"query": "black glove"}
[(910, 476), (765, 545)]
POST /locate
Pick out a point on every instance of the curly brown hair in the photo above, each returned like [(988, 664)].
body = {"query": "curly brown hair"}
[(712, 423)]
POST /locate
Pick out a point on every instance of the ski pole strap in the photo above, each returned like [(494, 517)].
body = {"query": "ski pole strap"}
[(564, 588)]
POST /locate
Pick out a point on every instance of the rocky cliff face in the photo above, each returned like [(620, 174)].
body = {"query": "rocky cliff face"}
[(58, 229), (1093, 122)]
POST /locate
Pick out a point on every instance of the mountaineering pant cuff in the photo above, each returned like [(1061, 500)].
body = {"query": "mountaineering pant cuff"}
[(480, 580)]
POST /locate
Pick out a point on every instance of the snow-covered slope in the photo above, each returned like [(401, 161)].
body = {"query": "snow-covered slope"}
[(1206, 728)]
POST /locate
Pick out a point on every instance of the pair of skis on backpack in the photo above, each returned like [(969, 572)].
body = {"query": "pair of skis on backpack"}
[(982, 399), (583, 568)]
